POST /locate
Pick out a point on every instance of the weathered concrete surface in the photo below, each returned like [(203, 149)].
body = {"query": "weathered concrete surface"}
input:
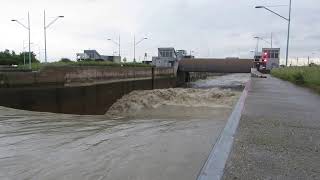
[(68, 76), (83, 99), (279, 134), (256, 74), (78, 90), (216, 65)]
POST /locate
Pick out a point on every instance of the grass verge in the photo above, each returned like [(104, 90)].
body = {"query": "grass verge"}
[(303, 76)]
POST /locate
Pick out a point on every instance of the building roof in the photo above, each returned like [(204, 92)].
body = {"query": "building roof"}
[(91, 51), (166, 48)]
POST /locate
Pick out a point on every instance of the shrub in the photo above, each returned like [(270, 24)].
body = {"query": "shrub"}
[(305, 76)]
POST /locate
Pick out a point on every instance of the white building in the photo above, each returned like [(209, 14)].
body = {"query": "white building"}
[(167, 57), (94, 55)]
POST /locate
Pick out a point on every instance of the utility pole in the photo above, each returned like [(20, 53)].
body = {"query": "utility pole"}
[(288, 37), (24, 54), (29, 34), (45, 27), (271, 40), (29, 41), (118, 44), (119, 47), (45, 36), (134, 48), (289, 23)]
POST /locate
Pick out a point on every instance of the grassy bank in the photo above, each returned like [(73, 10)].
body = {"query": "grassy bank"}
[(38, 66), (303, 76)]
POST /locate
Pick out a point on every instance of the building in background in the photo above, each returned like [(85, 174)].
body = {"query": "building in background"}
[(169, 57), (181, 54), (268, 59), (94, 55)]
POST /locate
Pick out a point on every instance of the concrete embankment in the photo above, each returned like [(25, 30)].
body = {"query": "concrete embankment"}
[(78, 90)]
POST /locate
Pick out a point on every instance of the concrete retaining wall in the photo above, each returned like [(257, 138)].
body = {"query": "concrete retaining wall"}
[(66, 76), (94, 99), (78, 90)]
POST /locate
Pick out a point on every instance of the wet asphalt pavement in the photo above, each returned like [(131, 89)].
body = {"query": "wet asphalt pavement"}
[(278, 135)]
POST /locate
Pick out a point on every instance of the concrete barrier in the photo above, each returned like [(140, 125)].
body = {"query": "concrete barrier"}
[(90, 100), (67, 76), (256, 74), (78, 90)]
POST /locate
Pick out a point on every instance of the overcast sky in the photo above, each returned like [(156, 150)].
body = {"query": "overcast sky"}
[(210, 28)]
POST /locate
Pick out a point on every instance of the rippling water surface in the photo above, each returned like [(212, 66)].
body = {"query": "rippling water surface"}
[(160, 134)]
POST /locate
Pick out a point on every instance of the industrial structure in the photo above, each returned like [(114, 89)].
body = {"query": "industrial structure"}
[(268, 59), (169, 57), (94, 55)]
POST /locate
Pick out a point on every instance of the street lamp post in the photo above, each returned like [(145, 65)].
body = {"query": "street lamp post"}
[(117, 43), (257, 46), (29, 34), (134, 46), (260, 38), (45, 27), (24, 54), (289, 24)]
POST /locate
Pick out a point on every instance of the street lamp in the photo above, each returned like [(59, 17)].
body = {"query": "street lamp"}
[(289, 23), (260, 38), (24, 54), (45, 32), (28, 28), (134, 46), (117, 43)]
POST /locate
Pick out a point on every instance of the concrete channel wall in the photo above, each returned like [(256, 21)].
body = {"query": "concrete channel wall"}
[(89, 90), (66, 76)]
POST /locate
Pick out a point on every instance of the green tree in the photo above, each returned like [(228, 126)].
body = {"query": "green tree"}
[(65, 60), (11, 58)]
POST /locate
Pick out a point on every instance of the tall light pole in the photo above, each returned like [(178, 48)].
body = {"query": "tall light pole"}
[(45, 27), (28, 28), (24, 54), (257, 46), (289, 24), (271, 38), (117, 43), (134, 46), (260, 38)]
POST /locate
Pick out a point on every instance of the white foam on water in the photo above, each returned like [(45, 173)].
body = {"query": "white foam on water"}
[(151, 99)]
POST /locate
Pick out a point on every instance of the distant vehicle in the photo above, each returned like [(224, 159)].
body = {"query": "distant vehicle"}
[(270, 58)]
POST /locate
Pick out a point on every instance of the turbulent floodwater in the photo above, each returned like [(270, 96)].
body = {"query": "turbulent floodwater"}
[(137, 102), (158, 134)]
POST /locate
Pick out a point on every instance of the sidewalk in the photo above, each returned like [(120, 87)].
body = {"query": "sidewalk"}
[(279, 134)]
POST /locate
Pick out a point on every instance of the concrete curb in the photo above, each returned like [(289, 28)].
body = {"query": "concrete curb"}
[(213, 169), (257, 74)]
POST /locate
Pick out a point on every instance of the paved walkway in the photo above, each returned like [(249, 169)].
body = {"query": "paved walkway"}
[(279, 134)]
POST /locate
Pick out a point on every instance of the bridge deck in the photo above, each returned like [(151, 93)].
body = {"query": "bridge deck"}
[(216, 65)]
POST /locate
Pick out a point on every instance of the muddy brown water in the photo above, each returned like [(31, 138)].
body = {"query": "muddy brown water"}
[(169, 140)]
